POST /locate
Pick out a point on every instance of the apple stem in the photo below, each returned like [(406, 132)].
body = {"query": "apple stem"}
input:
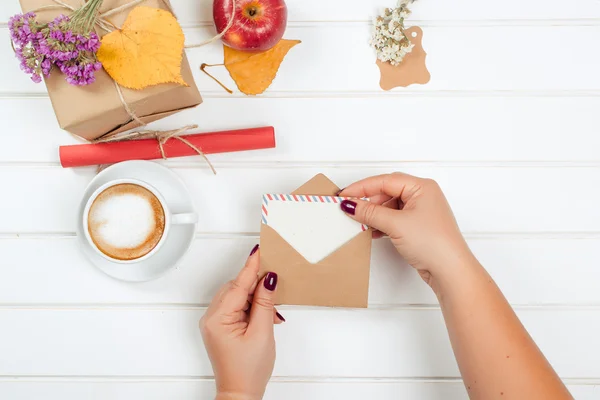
[(203, 69)]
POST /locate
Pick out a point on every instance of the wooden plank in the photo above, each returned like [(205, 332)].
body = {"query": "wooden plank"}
[(194, 390), (314, 343), (542, 265), (431, 128), (485, 199), (356, 10), (496, 97), (459, 58)]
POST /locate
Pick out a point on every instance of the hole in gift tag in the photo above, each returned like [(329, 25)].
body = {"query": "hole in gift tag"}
[(412, 69)]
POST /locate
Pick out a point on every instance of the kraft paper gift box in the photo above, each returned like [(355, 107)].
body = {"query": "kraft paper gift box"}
[(339, 280), (96, 110)]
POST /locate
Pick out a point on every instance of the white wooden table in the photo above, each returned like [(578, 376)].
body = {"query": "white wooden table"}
[(508, 125)]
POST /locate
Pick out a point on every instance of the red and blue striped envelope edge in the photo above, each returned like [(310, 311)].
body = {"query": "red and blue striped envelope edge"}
[(299, 198)]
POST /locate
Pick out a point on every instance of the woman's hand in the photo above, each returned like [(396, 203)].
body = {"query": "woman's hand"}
[(237, 329), (414, 213), (484, 329)]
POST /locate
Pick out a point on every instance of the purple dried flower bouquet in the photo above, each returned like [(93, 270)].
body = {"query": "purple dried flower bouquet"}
[(66, 42)]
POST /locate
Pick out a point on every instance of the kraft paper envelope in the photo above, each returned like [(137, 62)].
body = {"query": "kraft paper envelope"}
[(341, 279)]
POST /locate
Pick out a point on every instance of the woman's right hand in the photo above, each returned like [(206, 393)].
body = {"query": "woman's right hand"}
[(483, 328), (415, 214)]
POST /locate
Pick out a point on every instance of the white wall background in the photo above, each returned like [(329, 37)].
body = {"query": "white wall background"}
[(508, 125)]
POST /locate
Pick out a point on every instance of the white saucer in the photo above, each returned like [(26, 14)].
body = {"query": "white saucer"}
[(180, 237)]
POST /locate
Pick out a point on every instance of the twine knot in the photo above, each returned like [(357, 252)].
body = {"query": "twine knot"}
[(162, 137)]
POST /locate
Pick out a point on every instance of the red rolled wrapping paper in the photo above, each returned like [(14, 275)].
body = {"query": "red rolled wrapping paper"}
[(81, 155)]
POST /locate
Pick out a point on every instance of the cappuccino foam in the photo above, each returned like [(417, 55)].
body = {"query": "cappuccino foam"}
[(126, 221)]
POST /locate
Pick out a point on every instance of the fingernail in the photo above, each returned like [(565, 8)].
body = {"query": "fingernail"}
[(348, 206), (280, 316), (254, 249), (340, 191), (271, 281)]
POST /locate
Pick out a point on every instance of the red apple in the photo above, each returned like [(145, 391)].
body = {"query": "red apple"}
[(257, 26)]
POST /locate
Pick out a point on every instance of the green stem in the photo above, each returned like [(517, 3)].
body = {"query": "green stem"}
[(83, 19)]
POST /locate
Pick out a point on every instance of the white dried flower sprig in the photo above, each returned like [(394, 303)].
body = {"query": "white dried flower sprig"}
[(389, 39)]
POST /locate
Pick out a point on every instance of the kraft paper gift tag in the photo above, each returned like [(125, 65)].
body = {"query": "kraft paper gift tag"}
[(336, 277), (412, 70)]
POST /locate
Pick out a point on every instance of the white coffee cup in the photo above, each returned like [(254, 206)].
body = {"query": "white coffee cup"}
[(170, 219)]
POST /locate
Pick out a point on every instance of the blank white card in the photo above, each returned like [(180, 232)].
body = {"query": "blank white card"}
[(315, 226)]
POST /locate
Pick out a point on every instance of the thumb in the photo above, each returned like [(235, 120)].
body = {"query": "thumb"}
[(263, 305), (373, 215)]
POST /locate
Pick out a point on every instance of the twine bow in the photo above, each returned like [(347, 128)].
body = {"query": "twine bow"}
[(161, 136)]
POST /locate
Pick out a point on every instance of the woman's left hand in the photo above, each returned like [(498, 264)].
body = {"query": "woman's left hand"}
[(237, 329)]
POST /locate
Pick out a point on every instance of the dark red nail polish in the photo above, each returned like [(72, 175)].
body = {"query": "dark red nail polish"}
[(348, 206), (254, 249), (271, 281), (280, 316), (340, 191)]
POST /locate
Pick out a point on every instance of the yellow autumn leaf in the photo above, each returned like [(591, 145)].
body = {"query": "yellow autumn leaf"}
[(253, 73), (146, 51)]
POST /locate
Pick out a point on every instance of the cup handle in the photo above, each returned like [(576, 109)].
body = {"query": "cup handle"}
[(184, 219)]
